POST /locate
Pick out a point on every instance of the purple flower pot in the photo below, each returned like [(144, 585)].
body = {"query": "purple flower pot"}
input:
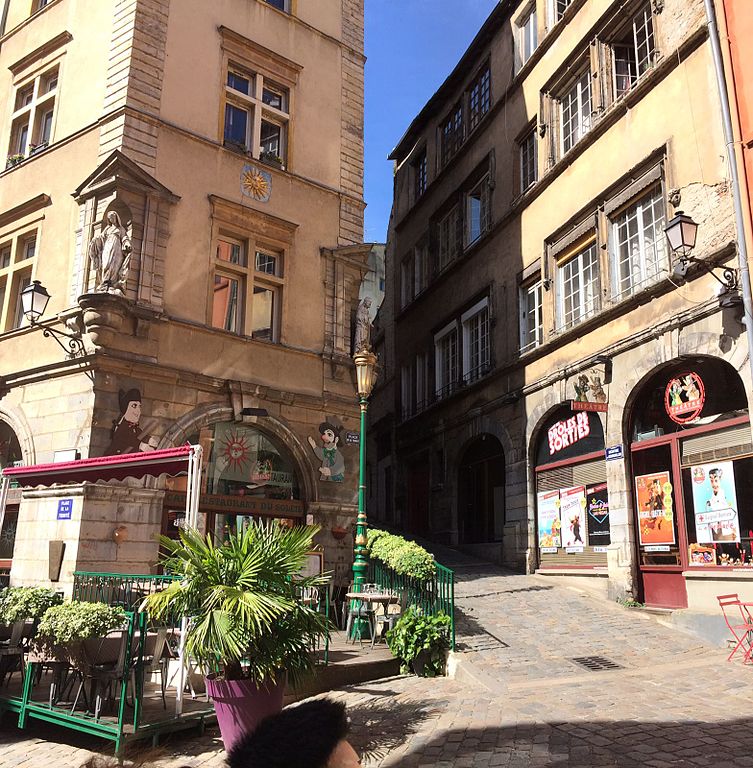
[(240, 705)]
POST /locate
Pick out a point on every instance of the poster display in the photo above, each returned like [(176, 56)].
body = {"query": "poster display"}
[(549, 518), (573, 516), (715, 502), (653, 494), (597, 511)]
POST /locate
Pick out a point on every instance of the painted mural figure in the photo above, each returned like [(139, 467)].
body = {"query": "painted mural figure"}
[(110, 254), (126, 432), (599, 395), (362, 339), (333, 465)]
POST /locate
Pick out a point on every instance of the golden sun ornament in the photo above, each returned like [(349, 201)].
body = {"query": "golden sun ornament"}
[(256, 183)]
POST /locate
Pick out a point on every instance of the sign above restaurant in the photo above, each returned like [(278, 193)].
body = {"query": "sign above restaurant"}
[(239, 505), (684, 397)]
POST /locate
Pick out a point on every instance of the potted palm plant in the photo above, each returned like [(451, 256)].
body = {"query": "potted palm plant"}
[(248, 628)]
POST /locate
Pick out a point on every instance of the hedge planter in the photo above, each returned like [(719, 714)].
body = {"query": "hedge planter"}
[(241, 705)]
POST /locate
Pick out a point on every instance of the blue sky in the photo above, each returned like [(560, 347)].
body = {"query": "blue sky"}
[(411, 47)]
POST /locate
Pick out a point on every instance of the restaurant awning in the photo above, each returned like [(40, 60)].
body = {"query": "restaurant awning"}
[(170, 461)]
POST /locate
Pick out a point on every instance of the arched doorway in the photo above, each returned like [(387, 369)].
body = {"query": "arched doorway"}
[(10, 456), (692, 476), (481, 500), (247, 474)]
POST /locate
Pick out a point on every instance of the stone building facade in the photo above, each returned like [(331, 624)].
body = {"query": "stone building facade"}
[(561, 387), (186, 180)]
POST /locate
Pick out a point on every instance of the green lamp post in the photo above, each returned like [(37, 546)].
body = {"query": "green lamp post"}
[(366, 363)]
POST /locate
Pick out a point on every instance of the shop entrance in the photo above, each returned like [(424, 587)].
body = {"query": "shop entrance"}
[(481, 502), (692, 477)]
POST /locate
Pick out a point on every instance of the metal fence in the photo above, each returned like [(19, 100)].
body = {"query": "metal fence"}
[(126, 590), (431, 596)]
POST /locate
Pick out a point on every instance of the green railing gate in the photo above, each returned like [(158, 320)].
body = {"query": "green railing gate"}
[(432, 596)]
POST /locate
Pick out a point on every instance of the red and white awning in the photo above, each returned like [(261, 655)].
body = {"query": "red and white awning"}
[(170, 461)]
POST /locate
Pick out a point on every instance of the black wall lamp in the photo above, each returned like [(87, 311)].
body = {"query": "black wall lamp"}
[(681, 233), (34, 299)]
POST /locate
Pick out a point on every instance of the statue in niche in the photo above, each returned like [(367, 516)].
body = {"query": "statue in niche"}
[(362, 339), (110, 255)]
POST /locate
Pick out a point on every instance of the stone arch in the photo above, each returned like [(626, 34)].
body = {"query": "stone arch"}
[(205, 415), (16, 420)]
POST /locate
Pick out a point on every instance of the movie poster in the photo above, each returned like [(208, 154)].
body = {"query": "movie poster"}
[(549, 518), (653, 496), (715, 502), (573, 516), (597, 512)]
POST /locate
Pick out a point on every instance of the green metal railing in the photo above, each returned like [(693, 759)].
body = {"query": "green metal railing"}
[(125, 590), (431, 596)]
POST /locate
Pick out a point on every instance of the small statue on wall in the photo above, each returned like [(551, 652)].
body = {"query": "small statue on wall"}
[(110, 255), (362, 339), (332, 467)]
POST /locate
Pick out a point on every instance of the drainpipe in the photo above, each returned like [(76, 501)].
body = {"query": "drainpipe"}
[(4, 17), (742, 249)]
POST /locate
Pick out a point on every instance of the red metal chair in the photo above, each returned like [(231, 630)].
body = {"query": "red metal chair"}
[(739, 622)]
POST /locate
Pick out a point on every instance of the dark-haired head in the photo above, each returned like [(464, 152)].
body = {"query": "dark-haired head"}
[(310, 735)]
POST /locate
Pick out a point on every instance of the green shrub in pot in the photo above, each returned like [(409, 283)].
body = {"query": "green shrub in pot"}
[(22, 603), (404, 557), (420, 642), (71, 622)]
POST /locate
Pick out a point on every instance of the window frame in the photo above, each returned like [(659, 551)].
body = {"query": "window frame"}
[(584, 123), (19, 271), (641, 66), (535, 287), (445, 382), (655, 195), (569, 257), (420, 167), (450, 237), (481, 191), (527, 182), (526, 33), (474, 373), (479, 105), (29, 118)]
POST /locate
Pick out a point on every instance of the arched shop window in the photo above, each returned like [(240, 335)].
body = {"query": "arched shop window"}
[(10, 456), (692, 466), (572, 505), (247, 474)]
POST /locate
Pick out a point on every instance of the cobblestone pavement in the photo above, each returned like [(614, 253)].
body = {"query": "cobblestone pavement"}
[(518, 699)]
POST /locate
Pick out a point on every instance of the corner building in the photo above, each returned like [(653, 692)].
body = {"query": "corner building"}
[(227, 138), (562, 396)]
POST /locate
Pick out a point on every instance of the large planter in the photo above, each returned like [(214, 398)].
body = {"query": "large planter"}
[(240, 705)]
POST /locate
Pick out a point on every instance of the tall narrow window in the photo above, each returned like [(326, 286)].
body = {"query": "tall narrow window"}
[(560, 6), (406, 391), (446, 361), (450, 237), (477, 213), (638, 245), (527, 36), (479, 97), (531, 316), (528, 160), (420, 269), (420, 170), (17, 261), (576, 112), (452, 134), (578, 287), (406, 281), (422, 382), (476, 341), (633, 52)]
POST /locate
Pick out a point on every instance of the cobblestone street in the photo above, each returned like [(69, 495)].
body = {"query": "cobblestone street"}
[(518, 698)]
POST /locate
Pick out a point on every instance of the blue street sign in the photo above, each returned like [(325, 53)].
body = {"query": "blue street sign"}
[(65, 509), (614, 452)]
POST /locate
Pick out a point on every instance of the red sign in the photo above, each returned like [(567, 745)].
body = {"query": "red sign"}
[(578, 405), (684, 398), (569, 431)]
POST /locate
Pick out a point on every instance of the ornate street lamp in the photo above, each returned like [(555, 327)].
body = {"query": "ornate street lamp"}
[(34, 299), (366, 363), (681, 233)]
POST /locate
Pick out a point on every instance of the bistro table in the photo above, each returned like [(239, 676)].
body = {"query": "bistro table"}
[(384, 598)]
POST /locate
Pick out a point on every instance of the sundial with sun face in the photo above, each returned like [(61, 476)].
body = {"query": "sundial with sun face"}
[(256, 183)]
